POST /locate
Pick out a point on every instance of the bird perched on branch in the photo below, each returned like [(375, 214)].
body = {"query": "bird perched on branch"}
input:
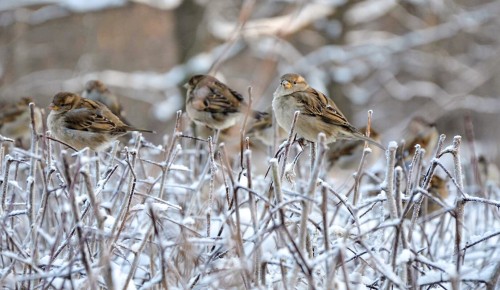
[(318, 113), (97, 91), (15, 120), (261, 127), (347, 154), (423, 133), (212, 103), (82, 122)]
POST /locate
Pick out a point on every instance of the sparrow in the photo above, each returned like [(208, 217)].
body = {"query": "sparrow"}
[(488, 171), (212, 103), (438, 188), (82, 122), (422, 132), (347, 153), (97, 91), (318, 113), (261, 127), (15, 120)]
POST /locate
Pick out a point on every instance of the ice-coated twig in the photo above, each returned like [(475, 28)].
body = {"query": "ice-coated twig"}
[(244, 126), (289, 143), (388, 185), (211, 185), (311, 189), (359, 171), (225, 161), (398, 174), (419, 153), (5, 182), (459, 213), (121, 218), (140, 249), (32, 168), (254, 217), (104, 255), (168, 156), (80, 232)]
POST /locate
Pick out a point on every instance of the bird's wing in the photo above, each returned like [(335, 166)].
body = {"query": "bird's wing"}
[(89, 120), (316, 104), (260, 121), (10, 113), (216, 97)]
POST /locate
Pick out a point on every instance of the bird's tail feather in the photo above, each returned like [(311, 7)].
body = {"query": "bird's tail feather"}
[(369, 140)]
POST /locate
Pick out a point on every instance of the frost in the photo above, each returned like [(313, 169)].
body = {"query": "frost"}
[(119, 279), (90, 5), (393, 145), (188, 221), (15, 184), (161, 4), (179, 167), (405, 256), (243, 180), (339, 231)]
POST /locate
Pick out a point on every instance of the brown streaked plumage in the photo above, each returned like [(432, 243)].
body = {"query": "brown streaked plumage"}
[(212, 103), (422, 132), (98, 91), (438, 188), (347, 154), (261, 127), (318, 113), (15, 120), (81, 122)]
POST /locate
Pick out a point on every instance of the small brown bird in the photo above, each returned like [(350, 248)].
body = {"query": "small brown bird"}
[(212, 103), (318, 113), (488, 171), (347, 154), (438, 188), (82, 122), (421, 132), (97, 91), (261, 127), (15, 120)]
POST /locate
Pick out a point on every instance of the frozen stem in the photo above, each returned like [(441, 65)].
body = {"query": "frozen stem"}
[(255, 222), (388, 187), (459, 213), (289, 143)]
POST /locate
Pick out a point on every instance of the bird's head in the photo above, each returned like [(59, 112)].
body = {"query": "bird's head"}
[(64, 102), (293, 82), (197, 79), (95, 85)]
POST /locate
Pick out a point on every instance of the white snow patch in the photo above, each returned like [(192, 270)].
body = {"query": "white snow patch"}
[(405, 256)]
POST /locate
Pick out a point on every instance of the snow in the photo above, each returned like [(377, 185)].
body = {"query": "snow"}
[(179, 167), (161, 4), (90, 5), (119, 279), (405, 256), (393, 145)]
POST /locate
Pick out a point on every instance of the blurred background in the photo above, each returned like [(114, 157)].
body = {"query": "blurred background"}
[(437, 59)]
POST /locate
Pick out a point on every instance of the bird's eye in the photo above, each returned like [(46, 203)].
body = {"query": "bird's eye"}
[(294, 82)]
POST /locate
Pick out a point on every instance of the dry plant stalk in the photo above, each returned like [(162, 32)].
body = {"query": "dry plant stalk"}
[(259, 233)]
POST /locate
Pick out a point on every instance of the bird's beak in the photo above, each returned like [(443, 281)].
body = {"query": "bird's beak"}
[(53, 107), (286, 84)]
